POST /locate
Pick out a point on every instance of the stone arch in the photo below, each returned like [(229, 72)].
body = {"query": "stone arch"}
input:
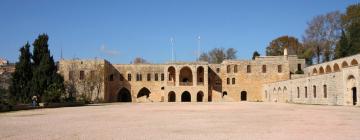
[(344, 64), (172, 74), (124, 95), (143, 92), (186, 96), (186, 77), (200, 74), (353, 62), (321, 70), (351, 84), (243, 96), (171, 96), (199, 96), (336, 67), (314, 72), (328, 69)]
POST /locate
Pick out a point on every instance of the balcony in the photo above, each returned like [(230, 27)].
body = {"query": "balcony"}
[(186, 83)]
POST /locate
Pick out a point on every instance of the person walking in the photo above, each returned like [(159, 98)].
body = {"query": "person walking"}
[(34, 101)]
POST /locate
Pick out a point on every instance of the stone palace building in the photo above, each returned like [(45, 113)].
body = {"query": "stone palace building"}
[(266, 78)]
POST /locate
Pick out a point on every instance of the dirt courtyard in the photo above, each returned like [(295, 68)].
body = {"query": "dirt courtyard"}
[(150, 121)]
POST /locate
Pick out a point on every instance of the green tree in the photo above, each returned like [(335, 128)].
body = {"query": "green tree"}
[(20, 87), (351, 23), (255, 54), (46, 82), (342, 47), (277, 46)]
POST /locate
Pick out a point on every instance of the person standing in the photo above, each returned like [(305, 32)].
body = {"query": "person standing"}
[(34, 101)]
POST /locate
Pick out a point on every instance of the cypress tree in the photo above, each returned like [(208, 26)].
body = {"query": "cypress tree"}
[(20, 87), (46, 82), (342, 48)]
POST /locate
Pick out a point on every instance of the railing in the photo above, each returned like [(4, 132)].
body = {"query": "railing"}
[(186, 83), (200, 83), (171, 83)]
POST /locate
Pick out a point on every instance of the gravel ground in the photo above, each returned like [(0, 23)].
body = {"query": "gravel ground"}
[(147, 121)]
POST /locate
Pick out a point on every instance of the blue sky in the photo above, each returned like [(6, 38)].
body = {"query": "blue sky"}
[(124, 29)]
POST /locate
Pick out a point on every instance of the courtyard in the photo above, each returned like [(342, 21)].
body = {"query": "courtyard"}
[(224, 120)]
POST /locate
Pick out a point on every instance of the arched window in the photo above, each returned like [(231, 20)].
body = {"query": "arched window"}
[(235, 68), (162, 77), (314, 71), (82, 75), (279, 68), (298, 92), (148, 77), (248, 68), (156, 77), (344, 64), (233, 81), (328, 69), (305, 92), (228, 81), (354, 62), (336, 68), (228, 68), (321, 70), (129, 77)]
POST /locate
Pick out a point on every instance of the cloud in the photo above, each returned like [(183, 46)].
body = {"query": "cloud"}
[(103, 49)]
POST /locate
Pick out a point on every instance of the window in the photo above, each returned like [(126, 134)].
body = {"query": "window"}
[(121, 77), (279, 69), (138, 77), (217, 70), (228, 68), (233, 81), (162, 77), (111, 77), (305, 92), (263, 68), (71, 75), (298, 92), (248, 69), (129, 77), (235, 68), (82, 75), (148, 77), (92, 74), (156, 77), (325, 91), (314, 90), (228, 81), (299, 67)]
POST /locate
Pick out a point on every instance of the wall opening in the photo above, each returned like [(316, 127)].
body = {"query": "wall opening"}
[(171, 96), (354, 95), (243, 96), (186, 77), (144, 92), (199, 96), (354, 62), (224, 94), (185, 97), (124, 95)]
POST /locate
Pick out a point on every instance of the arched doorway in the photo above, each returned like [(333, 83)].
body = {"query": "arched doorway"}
[(171, 96), (199, 96), (354, 95), (144, 92), (186, 77), (171, 74), (243, 96), (124, 95), (185, 97)]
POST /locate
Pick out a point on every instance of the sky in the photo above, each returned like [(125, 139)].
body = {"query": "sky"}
[(120, 30)]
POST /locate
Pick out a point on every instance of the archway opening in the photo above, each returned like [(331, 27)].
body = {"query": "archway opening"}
[(243, 96), (354, 95), (144, 92), (336, 68), (199, 96), (185, 76), (321, 70), (171, 96), (328, 69), (124, 95), (354, 62), (314, 71), (171, 72), (185, 97), (224, 94), (200, 75), (344, 64)]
